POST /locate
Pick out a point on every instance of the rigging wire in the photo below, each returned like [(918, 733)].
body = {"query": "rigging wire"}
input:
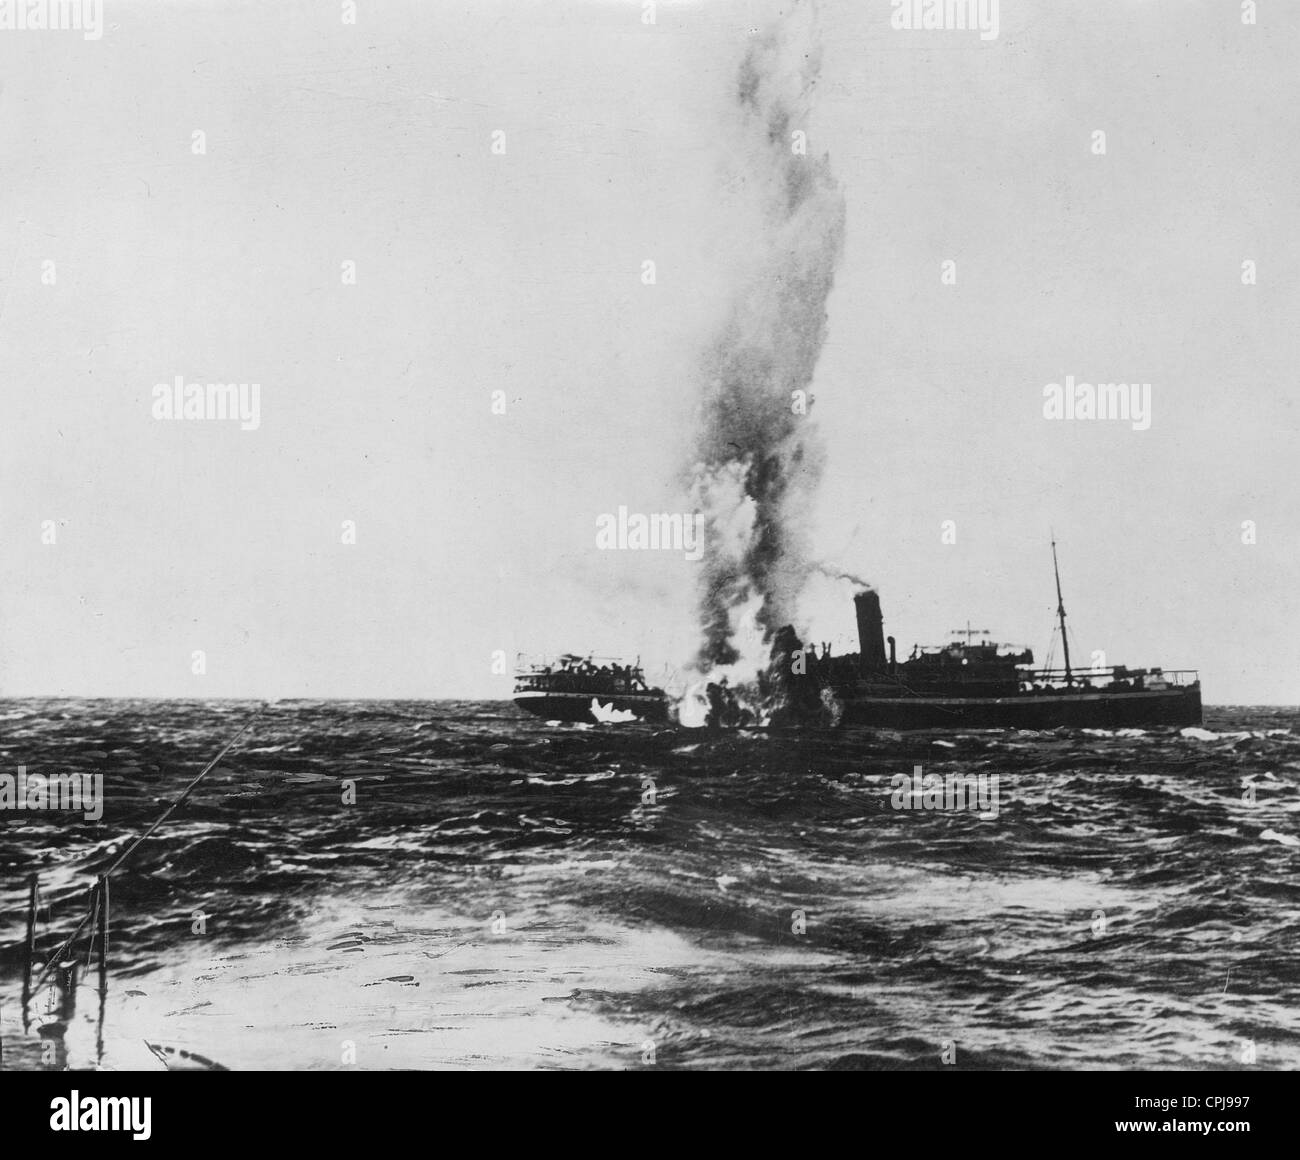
[(131, 849)]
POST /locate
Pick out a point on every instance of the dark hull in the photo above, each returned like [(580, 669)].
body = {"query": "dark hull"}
[(1072, 710), (551, 706)]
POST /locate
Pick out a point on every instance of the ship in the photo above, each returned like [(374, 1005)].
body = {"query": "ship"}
[(969, 684), (589, 690)]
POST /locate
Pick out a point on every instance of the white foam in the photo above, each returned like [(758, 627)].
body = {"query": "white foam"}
[(1198, 734), (1285, 839), (608, 715)]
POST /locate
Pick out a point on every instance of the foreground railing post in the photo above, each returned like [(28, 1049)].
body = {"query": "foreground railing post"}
[(31, 952), (103, 965)]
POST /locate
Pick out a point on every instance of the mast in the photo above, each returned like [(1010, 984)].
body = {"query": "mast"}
[(1060, 612), (968, 632)]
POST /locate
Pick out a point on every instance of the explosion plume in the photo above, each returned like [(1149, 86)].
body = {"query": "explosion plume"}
[(757, 458)]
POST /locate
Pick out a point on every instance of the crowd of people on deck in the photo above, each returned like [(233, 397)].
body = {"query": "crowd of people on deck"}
[(580, 674)]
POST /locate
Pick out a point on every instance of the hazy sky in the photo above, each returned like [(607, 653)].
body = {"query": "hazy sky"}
[(522, 271)]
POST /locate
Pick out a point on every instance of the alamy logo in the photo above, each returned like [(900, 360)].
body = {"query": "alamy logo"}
[(977, 792), (1130, 402), (63, 791), (946, 16), (102, 1114), (655, 532), (182, 400), (87, 16)]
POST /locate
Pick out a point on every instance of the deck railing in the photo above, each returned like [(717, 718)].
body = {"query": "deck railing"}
[(1150, 678)]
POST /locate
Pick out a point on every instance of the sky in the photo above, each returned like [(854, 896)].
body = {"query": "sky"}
[(499, 174)]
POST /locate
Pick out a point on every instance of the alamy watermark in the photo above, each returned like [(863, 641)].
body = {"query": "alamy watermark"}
[(78, 1113), (84, 16), (62, 791), (946, 16), (977, 792), (1130, 402), (182, 400), (659, 531)]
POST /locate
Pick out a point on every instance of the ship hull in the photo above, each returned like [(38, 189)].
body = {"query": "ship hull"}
[(556, 706), (1071, 710)]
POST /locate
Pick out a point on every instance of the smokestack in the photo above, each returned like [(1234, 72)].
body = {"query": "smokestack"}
[(871, 633)]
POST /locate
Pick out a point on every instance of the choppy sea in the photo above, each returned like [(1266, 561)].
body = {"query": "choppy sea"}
[(381, 885)]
